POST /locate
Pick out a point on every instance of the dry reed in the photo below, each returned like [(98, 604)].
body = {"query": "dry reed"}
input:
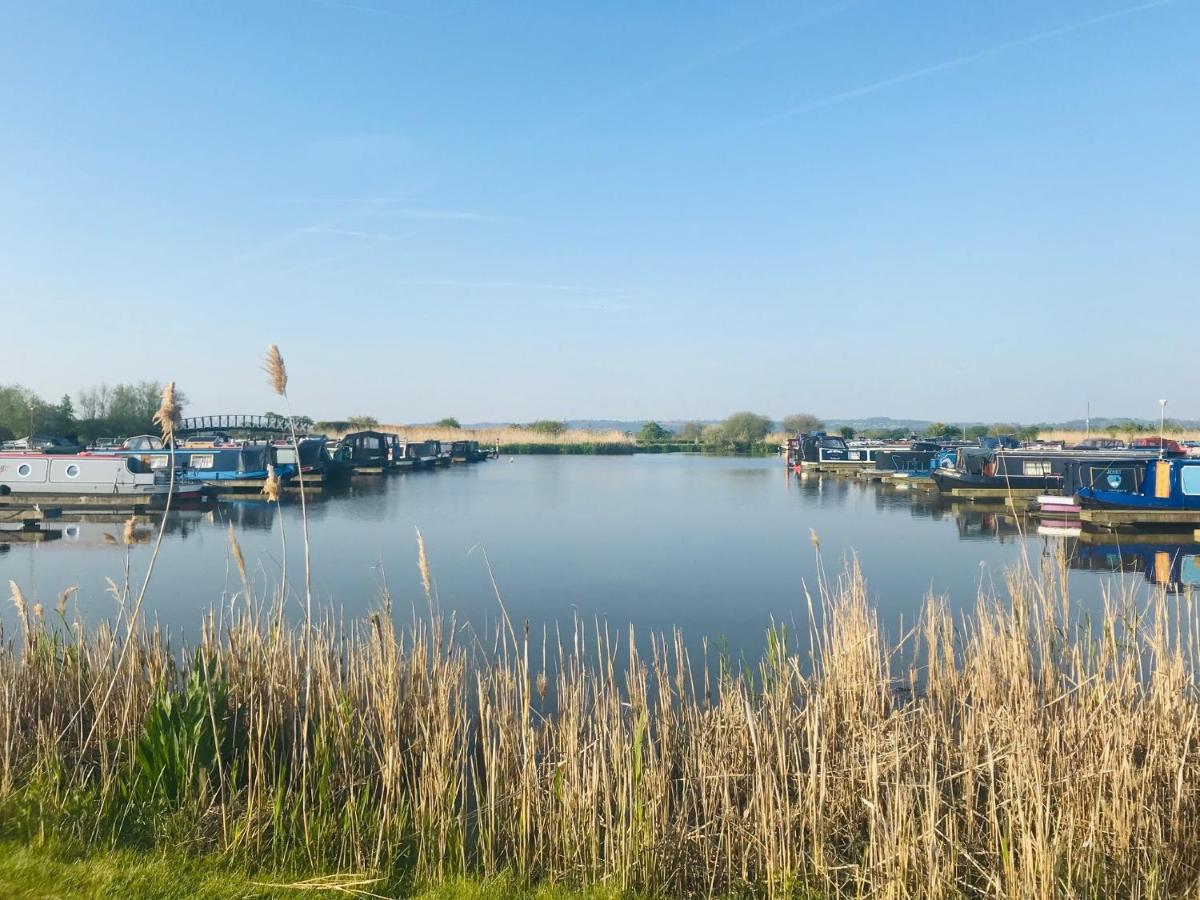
[(1022, 752), (489, 437)]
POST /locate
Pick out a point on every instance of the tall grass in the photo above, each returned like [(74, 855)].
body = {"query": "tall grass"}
[(1173, 432), (489, 437), (1020, 752)]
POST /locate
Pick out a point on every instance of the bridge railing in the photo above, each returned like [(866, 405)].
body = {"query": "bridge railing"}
[(269, 424)]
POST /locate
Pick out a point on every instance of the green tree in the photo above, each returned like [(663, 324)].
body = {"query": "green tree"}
[(745, 428), (652, 433), (362, 423), (1028, 433), (975, 432), (548, 427), (942, 430), (448, 422), (799, 423), (19, 409), (847, 432), (690, 431)]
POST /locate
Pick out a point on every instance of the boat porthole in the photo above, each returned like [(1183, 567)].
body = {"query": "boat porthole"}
[(72, 471), (23, 470)]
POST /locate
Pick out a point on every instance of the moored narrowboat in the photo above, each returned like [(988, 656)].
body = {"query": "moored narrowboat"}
[(368, 452), (818, 450), (1165, 485), (1047, 471), (216, 461), (34, 475)]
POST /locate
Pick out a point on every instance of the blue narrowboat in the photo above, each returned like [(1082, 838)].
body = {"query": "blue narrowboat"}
[(1166, 484), (205, 461)]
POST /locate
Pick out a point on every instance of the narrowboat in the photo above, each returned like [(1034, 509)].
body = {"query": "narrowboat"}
[(460, 451), (24, 474), (40, 443), (206, 461), (406, 455), (917, 459), (818, 449), (315, 460), (1165, 485), (978, 468), (441, 452), (428, 453), (368, 451)]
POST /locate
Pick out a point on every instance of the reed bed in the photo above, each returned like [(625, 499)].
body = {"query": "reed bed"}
[(1171, 431), (489, 437), (1021, 751)]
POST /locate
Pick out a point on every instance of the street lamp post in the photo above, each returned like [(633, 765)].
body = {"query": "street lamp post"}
[(1162, 421)]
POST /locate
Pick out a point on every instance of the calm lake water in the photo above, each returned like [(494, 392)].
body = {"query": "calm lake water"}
[(716, 546)]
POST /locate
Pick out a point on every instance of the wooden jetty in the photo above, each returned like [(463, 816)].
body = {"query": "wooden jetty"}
[(27, 516), (107, 502), (997, 494), (1140, 517)]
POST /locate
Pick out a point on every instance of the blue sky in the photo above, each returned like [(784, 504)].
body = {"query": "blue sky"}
[(948, 210)]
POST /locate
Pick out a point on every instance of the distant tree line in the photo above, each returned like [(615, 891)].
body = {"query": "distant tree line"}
[(740, 431), (102, 411)]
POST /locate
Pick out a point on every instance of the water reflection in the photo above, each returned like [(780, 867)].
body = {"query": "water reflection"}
[(1168, 561), (717, 546)]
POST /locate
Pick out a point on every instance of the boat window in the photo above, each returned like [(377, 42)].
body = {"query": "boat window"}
[(1036, 467), (159, 462), (285, 455), (201, 461), (1189, 480), (23, 470), (72, 471)]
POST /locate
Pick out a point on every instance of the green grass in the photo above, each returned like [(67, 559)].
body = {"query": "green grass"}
[(28, 872)]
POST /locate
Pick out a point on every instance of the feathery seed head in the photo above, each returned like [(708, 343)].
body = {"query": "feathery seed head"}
[(423, 565), (276, 370), (18, 598), (270, 487), (168, 417), (62, 600)]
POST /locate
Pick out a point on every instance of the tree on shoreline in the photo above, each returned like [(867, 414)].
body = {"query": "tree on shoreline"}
[(799, 423), (653, 433)]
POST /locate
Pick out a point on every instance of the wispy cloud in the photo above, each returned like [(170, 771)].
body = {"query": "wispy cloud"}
[(378, 201), (444, 215), (668, 75), (518, 285), (340, 232), (957, 62)]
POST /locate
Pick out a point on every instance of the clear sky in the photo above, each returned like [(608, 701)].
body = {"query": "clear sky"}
[(505, 211)]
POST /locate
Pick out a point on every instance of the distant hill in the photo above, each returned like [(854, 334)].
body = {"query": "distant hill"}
[(868, 423)]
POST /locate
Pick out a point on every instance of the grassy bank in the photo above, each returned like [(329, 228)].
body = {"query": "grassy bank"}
[(35, 872), (1015, 753)]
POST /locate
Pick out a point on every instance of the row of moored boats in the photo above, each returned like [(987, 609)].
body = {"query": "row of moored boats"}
[(39, 467), (1155, 474)]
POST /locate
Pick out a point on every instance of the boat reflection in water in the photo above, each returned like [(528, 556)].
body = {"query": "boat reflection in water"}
[(1170, 561)]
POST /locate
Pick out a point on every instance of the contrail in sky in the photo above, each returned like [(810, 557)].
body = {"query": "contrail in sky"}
[(692, 65), (875, 86)]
